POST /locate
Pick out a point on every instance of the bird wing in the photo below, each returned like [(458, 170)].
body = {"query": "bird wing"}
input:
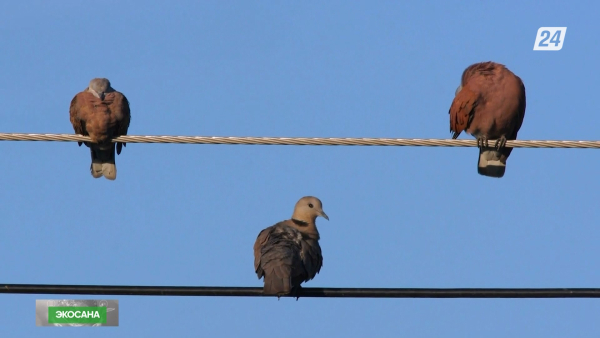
[(261, 240), (120, 108), (78, 114), (462, 110), (278, 250), (312, 257), (520, 113)]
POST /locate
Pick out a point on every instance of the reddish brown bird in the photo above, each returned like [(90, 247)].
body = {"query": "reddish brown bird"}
[(102, 113), (288, 253), (489, 104)]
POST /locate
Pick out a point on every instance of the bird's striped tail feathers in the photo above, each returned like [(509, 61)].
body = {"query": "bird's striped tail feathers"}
[(492, 163), (103, 162)]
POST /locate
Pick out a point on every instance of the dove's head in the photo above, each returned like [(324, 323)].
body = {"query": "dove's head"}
[(308, 209), (99, 87)]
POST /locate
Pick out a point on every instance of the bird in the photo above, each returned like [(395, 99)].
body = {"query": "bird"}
[(288, 253), (101, 113), (489, 103)]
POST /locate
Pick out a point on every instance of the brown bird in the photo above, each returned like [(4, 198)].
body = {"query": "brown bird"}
[(102, 113), (489, 104), (288, 253)]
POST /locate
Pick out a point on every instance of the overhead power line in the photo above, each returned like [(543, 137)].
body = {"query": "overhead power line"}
[(313, 141), (305, 292)]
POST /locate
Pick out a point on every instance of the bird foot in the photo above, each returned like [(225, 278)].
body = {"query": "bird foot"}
[(500, 143), (296, 292), (482, 141)]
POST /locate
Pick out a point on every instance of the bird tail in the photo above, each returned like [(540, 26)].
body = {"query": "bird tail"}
[(492, 162), (277, 283), (103, 162)]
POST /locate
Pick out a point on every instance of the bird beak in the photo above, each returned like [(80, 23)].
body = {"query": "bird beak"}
[(324, 215), (101, 96), (457, 90)]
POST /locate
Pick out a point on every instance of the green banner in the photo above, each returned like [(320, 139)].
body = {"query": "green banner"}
[(77, 314)]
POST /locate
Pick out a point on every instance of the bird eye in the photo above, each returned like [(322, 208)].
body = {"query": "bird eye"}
[(310, 205)]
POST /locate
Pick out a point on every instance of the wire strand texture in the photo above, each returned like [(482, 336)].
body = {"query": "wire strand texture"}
[(313, 141), (225, 291)]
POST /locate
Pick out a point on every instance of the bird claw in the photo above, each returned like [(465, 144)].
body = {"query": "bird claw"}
[(296, 292), (501, 142), (482, 141)]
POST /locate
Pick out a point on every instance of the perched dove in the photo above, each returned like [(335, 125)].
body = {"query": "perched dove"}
[(489, 104), (288, 253), (102, 113)]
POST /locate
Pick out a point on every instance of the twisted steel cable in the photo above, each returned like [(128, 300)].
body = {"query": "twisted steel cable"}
[(313, 141)]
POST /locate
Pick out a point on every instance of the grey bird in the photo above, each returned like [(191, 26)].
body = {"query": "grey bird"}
[(101, 113), (288, 253)]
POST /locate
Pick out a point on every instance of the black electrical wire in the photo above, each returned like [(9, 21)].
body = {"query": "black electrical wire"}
[(224, 291)]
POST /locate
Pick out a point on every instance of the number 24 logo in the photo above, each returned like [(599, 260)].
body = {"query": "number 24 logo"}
[(544, 33)]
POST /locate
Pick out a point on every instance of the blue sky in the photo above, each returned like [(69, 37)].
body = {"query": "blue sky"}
[(399, 216)]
